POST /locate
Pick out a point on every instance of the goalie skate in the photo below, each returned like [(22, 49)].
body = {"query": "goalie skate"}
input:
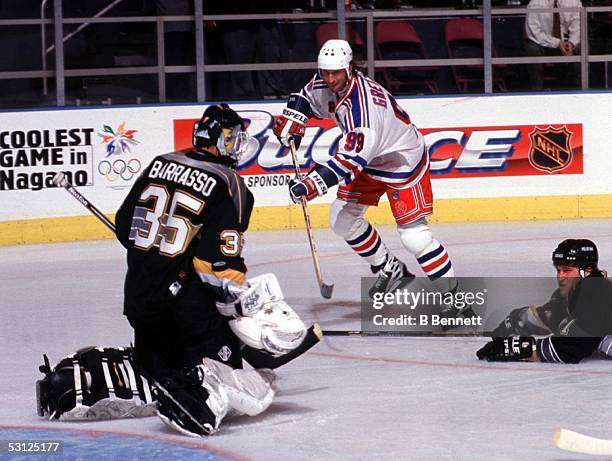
[(190, 405)]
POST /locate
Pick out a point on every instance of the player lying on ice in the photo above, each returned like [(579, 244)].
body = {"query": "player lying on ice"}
[(577, 321), (380, 152), (195, 316)]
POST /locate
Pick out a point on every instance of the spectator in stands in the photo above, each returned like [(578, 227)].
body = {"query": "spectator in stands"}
[(179, 41), (552, 34), (252, 41)]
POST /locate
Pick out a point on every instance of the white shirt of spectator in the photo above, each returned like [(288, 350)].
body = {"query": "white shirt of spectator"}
[(539, 26)]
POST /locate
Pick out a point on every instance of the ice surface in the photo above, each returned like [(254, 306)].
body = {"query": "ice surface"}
[(349, 398)]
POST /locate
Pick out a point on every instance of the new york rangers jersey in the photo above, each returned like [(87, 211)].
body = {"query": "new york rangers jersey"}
[(378, 140)]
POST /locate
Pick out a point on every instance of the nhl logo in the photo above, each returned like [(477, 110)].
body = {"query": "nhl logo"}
[(550, 148), (225, 353)]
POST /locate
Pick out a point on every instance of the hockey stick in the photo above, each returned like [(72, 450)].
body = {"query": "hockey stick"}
[(398, 333), (60, 181), (261, 359), (363, 333), (580, 443), (326, 290)]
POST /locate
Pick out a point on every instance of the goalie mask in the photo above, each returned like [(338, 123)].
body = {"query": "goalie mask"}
[(223, 128)]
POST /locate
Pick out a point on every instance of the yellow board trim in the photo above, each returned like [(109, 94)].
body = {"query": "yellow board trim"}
[(290, 217)]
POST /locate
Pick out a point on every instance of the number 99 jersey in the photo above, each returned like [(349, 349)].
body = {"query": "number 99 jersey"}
[(185, 214), (379, 139)]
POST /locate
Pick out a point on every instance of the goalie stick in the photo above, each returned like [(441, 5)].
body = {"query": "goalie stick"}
[(326, 290), (580, 443), (60, 181), (398, 333), (261, 359)]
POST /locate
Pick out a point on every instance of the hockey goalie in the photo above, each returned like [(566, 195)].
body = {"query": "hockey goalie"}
[(106, 383)]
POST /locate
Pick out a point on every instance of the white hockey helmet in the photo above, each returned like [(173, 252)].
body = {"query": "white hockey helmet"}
[(335, 54)]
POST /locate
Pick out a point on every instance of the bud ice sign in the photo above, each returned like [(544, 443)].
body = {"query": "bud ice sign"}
[(455, 152)]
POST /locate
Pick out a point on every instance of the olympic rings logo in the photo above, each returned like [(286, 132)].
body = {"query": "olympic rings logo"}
[(119, 169)]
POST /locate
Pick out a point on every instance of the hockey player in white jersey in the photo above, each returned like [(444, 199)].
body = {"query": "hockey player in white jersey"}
[(380, 151)]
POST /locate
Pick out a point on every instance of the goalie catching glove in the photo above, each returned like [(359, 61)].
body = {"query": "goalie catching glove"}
[(263, 320), (511, 349)]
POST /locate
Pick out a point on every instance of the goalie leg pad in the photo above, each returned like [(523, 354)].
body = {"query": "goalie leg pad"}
[(93, 383), (276, 328), (249, 392)]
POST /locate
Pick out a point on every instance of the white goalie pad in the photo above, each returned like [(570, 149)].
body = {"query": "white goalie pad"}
[(110, 409), (249, 392), (275, 328), (605, 347)]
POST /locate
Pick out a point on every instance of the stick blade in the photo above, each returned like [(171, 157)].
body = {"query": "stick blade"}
[(59, 179), (326, 290), (580, 443)]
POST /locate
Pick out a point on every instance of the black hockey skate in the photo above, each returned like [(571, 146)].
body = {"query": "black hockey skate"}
[(182, 404), (392, 275), (451, 311)]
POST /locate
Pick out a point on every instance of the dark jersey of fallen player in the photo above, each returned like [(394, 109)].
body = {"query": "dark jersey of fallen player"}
[(578, 323), (185, 216)]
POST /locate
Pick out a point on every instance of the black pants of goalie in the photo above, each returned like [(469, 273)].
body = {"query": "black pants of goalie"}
[(183, 331)]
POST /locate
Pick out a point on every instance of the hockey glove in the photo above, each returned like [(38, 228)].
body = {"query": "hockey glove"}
[(291, 125), (286, 129), (513, 324), (310, 187), (511, 349), (522, 321)]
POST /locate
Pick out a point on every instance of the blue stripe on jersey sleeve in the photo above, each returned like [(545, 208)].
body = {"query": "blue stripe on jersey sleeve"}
[(341, 172), (367, 104), (355, 158), (355, 106)]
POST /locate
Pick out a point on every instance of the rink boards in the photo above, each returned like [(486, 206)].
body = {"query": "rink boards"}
[(510, 157)]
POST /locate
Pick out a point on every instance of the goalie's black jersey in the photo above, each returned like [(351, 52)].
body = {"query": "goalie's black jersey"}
[(184, 217)]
